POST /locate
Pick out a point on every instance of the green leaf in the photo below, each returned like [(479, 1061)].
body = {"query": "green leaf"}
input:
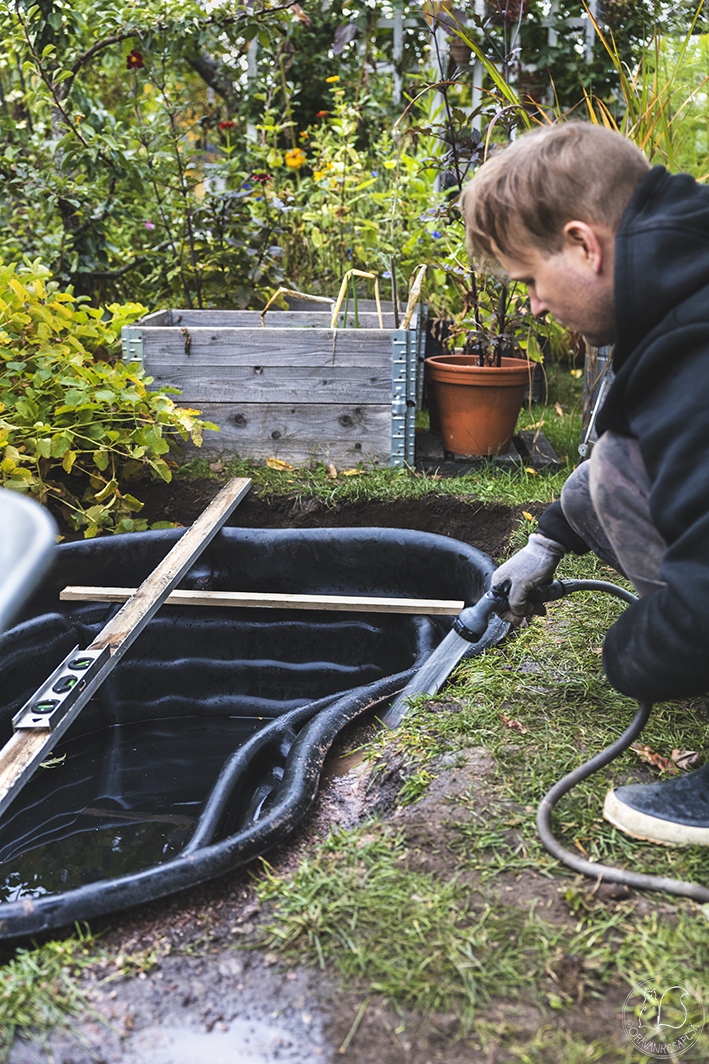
[(110, 489)]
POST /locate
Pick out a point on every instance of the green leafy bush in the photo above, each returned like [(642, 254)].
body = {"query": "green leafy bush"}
[(75, 423)]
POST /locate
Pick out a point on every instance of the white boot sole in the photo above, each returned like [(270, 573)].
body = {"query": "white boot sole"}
[(651, 828)]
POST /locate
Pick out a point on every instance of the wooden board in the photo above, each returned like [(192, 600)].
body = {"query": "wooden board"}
[(299, 432), (216, 348), (20, 756), (274, 384), (316, 318), (264, 600), (158, 317)]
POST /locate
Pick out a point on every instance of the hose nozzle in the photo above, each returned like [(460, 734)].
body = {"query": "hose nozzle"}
[(471, 623)]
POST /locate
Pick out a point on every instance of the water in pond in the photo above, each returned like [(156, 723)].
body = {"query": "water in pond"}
[(120, 801)]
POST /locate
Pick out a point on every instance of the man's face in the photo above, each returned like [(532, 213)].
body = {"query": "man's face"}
[(574, 284)]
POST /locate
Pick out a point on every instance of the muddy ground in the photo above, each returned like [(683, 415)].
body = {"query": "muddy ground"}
[(194, 993)]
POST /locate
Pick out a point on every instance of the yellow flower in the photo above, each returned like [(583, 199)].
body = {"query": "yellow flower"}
[(335, 77), (295, 158), (317, 174)]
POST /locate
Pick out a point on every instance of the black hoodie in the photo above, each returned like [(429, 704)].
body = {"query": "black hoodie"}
[(659, 647)]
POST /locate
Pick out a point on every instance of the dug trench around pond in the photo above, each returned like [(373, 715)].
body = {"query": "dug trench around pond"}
[(466, 941)]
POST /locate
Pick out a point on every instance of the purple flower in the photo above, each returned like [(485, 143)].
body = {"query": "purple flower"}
[(436, 235), (386, 275), (149, 225)]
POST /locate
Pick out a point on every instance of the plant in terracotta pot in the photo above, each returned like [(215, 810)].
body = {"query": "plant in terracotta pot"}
[(480, 386)]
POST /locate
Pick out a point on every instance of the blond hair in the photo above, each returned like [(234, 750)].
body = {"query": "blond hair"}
[(527, 192)]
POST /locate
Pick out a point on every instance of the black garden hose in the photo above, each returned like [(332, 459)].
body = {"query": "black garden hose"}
[(591, 868)]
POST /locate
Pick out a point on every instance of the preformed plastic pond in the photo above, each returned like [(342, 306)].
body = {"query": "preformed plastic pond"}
[(205, 745)]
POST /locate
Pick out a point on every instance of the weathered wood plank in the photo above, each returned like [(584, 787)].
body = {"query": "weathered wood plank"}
[(275, 319), (275, 384), (158, 317), (20, 756), (300, 432), (263, 600), (364, 348), (120, 632)]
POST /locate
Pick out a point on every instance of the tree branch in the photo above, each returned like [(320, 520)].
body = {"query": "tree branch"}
[(207, 67)]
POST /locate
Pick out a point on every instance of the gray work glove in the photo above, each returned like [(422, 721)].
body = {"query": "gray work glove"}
[(535, 564)]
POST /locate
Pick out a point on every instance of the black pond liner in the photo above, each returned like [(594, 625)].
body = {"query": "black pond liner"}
[(204, 747)]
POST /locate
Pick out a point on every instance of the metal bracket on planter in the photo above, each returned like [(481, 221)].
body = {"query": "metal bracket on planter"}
[(412, 350), (57, 695), (132, 344), (421, 350), (403, 396), (399, 373)]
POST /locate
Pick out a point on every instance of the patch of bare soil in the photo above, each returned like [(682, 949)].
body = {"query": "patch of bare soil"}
[(486, 526)]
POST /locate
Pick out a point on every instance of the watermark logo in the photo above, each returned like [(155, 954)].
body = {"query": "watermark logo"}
[(663, 1019)]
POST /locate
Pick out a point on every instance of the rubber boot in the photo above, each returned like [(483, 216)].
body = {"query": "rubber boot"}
[(674, 812)]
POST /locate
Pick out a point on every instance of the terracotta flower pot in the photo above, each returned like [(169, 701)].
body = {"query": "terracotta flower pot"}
[(478, 405)]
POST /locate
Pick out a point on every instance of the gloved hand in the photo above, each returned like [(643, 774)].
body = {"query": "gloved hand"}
[(528, 568)]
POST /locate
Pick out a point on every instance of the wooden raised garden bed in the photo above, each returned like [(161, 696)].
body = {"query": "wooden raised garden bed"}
[(294, 389)]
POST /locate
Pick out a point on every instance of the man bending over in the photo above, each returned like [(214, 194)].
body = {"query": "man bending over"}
[(620, 252)]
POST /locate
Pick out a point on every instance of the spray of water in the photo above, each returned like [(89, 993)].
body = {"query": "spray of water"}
[(429, 677)]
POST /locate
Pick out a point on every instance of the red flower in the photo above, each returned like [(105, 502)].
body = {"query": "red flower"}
[(321, 114), (134, 60), (227, 125), (261, 177)]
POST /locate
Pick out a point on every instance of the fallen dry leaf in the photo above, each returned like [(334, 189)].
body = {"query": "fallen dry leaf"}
[(527, 516), (278, 463), (216, 467), (559, 409), (685, 759), (331, 471), (353, 473), (510, 722), (656, 760), (532, 472)]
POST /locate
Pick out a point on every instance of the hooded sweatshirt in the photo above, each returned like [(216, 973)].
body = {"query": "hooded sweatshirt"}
[(659, 647)]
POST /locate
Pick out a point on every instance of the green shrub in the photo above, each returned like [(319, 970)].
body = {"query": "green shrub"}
[(75, 422)]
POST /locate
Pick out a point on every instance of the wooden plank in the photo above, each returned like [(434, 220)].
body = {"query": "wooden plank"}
[(20, 756), (264, 600), (299, 432), (167, 348), (158, 317), (275, 319), (121, 631), (275, 384)]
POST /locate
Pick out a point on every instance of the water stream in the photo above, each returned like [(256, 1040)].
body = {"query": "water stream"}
[(429, 678)]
